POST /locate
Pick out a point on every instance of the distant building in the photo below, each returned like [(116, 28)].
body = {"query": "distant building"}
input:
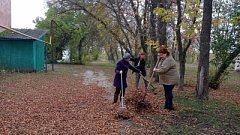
[(21, 53), (66, 55), (5, 13), (237, 64)]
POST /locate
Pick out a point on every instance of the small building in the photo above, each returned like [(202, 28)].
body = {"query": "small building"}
[(66, 55), (237, 64), (21, 53)]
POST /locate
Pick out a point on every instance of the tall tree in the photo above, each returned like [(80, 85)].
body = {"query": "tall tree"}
[(203, 65), (185, 13), (126, 16), (225, 38), (72, 31), (152, 33), (185, 39)]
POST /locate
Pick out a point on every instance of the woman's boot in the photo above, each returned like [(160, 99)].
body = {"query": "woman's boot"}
[(115, 99)]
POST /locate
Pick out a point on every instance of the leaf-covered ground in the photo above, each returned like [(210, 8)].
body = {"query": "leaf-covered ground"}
[(78, 100)]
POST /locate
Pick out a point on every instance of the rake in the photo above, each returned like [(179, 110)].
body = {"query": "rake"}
[(122, 103), (153, 72), (149, 82), (145, 79)]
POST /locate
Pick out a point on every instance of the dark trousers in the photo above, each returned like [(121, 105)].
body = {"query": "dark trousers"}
[(119, 92), (168, 96)]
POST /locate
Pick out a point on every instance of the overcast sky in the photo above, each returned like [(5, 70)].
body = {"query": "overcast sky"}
[(25, 11)]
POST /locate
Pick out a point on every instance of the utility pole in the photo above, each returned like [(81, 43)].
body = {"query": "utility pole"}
[(51, 42)]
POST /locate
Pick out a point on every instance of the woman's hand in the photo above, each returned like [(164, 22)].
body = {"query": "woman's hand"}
[(155, 69)]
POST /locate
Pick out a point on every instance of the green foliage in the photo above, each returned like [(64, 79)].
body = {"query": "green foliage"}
[(191, 56), (74, 30), (165, 14), (86, 59), (4, 33), (221, 47), (235, 20), (95, 54), (212, 72), (224, 39)]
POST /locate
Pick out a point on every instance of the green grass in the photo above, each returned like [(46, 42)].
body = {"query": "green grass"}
[(191, 74), (231, 81), (202, 116), (179, 129)]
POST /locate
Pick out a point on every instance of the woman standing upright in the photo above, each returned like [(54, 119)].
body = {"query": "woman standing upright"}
[(169, 76)]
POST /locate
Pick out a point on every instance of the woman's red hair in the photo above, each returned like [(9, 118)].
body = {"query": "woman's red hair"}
[(163, 50)]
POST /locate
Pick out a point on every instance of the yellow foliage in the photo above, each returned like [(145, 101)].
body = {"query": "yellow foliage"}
[(184, 25), (216, 22), (152, 43), (100, 26)]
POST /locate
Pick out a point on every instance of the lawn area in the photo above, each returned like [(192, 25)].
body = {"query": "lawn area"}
[(231, 81), (76, 99)]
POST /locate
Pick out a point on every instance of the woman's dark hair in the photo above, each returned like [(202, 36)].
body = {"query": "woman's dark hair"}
[(142, 53), (163, 50)]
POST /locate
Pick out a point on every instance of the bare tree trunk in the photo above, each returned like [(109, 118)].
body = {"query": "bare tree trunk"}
[(116, 53), (111, 55), (143, 36), (162, 26), (80, 44), (152, 32), (203, 65), (122, 53), (180, 48), (161, 31), (174, 49), (182, 68)]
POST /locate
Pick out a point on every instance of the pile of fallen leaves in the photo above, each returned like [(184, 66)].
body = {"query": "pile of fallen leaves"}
[(54, 104), (60, 103)]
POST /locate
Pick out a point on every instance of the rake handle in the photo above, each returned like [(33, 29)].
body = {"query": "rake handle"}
[(153, 73), (122, 97), (146, 79)]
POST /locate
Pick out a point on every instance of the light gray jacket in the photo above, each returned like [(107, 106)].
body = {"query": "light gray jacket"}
[(167, 70)]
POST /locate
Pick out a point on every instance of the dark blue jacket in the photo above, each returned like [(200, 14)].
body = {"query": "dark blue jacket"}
[(124, 66)]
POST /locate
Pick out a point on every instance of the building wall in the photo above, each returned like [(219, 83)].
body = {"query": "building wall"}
[(5, 13), (16, 54), (22, 55), (38, 55)]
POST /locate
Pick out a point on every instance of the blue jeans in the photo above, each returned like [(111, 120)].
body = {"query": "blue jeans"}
[(168, 96)]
